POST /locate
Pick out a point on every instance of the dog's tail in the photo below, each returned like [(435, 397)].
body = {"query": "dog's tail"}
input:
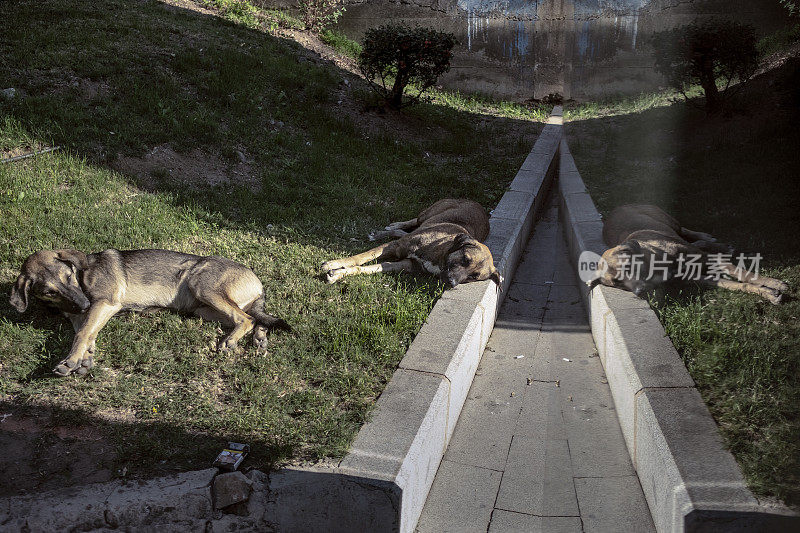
[(268, 321)]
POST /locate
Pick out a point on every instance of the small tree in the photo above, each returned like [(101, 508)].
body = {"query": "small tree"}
[(705, 53), (404, 56), (317, 14)]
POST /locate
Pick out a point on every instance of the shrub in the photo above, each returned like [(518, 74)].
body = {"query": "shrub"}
[(704, 53), (404, 55), (317, 14)]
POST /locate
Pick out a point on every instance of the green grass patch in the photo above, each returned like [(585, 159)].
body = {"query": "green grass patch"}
[(238, 11), (341, 43), (625, 105), (734, 178), (118, 83)]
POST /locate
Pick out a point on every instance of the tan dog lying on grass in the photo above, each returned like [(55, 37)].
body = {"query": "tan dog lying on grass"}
[(645, 238), (444, 240), (90, 289)]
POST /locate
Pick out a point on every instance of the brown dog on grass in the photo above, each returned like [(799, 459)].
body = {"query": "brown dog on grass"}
[(649, 236), (443, 240), (90, 289)]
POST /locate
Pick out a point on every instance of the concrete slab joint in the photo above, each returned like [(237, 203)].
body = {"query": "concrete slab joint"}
[(690, 481), (382, 483)]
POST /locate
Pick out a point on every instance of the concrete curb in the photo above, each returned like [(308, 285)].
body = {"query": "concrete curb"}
[(690, 481), (383, 482)]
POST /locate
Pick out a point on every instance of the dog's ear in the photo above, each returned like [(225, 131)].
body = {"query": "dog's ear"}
[(19, 293), (498, 279), (73, 257), (460, 240), (595, 282)]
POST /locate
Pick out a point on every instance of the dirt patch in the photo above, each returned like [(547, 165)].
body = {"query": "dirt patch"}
[(39, 455), (194, 169)]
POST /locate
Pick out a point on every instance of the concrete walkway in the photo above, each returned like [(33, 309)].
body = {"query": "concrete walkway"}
[(537, 446)]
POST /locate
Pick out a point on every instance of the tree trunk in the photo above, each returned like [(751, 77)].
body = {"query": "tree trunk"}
[(709, 84), (396, 95)]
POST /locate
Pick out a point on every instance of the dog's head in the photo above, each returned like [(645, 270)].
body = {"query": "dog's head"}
[(469, 260), (624, 267), (51, 276)]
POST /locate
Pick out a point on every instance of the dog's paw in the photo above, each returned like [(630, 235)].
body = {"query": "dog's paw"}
[(225, 346), (775, 297), (332, 276), (327, 266), (80, 367), (260, 338), (773, 283)]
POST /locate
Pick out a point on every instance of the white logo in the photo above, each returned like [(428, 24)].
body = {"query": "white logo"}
[(590, 266)]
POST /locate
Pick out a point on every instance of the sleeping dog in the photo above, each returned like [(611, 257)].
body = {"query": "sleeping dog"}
[(443, 240), (90, 289), (646, 234)]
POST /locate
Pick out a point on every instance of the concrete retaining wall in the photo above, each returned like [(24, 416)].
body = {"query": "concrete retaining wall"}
[(690, 481)]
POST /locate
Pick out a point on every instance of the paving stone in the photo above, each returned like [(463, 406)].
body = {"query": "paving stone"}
[(509, 522), (538, 478), (613, 504), (461, 499), (537, 269), (587, 404), (513, 336), (565, 301), (526, 300), (488, 418), (541, 414)]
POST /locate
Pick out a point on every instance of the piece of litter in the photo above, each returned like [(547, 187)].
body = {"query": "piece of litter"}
[(603, 381), (558, 383), (4, 416), (569, 398), (549, 282), (231, 457), (530, 381), (518, 356), (512, 394), (567, 360)]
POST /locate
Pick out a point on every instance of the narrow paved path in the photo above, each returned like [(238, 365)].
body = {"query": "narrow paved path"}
[(537, 446)]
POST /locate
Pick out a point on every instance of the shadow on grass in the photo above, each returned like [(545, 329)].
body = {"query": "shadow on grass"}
[(323, 171), (50, 447)]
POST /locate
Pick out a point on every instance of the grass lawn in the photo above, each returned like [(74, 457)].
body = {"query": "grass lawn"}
[(182, 130), (738, 178)]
